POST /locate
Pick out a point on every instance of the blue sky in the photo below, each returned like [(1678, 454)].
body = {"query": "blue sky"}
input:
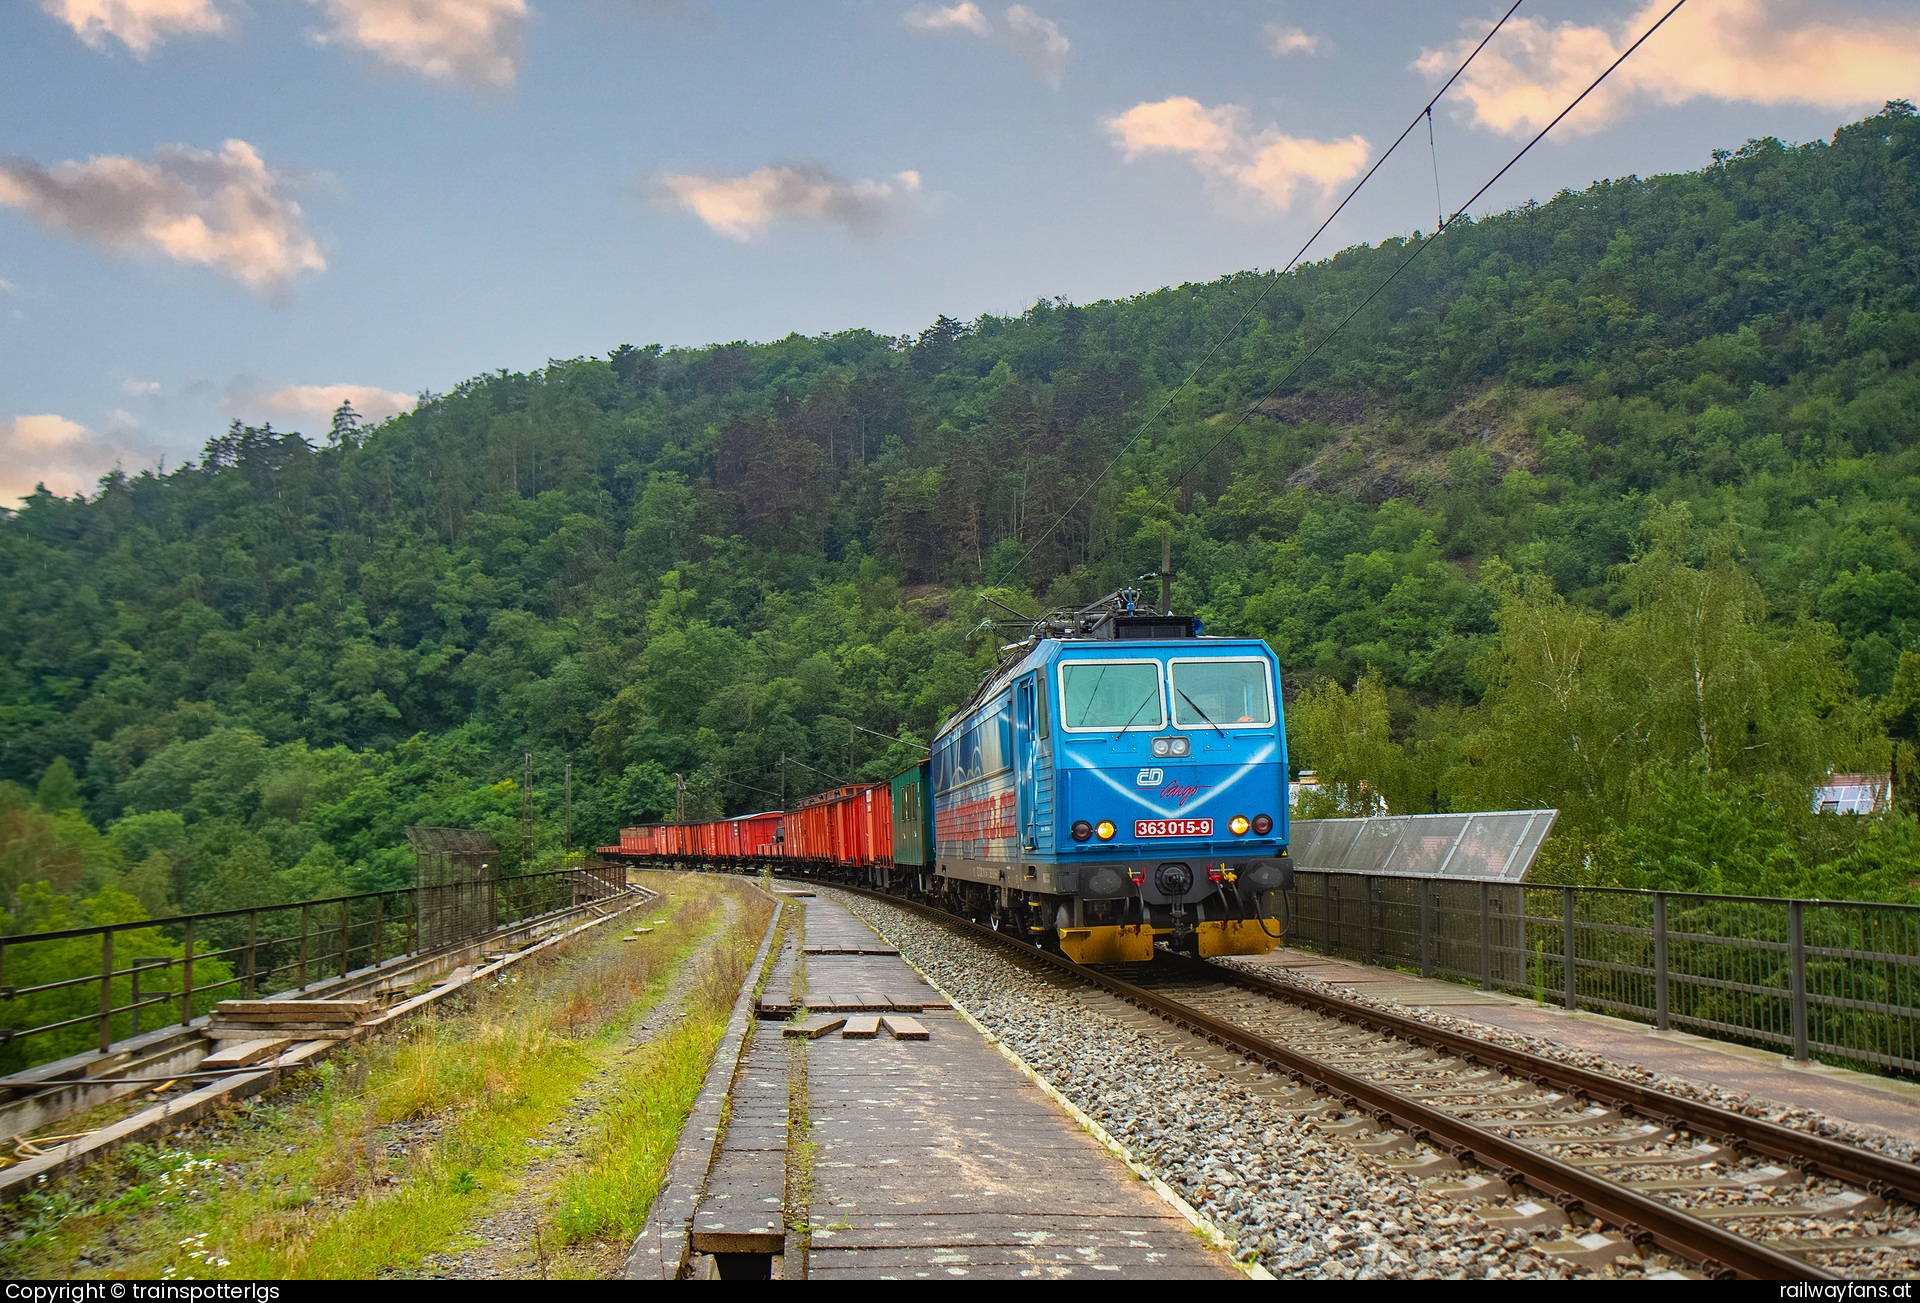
[(221, 208)]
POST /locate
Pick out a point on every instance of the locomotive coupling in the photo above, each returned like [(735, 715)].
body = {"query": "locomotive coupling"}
[(1174, 880)]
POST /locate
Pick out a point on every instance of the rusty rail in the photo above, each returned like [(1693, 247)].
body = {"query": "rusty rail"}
[(1874, 1172), (1717, 1251)]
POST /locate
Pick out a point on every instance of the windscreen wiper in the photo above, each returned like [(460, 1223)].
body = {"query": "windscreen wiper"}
[(1201, 713), (1136, 714), (1093, 694)]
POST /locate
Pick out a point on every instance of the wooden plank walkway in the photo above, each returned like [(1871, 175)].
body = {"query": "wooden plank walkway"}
[(938, 1158)]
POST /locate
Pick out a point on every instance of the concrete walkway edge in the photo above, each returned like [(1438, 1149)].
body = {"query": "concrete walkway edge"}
[(661, 1252)]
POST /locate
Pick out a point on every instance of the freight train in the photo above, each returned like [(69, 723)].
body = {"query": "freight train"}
[(1119, 782)]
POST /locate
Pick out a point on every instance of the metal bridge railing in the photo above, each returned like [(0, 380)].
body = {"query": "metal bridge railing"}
[(1840, 979), (61, 992)]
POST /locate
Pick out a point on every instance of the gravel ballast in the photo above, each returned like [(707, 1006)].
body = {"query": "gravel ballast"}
[(1304, 1204), (1737, 1101)]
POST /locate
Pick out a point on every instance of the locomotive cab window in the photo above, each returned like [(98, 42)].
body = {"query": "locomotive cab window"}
[(1108, 696), (1222, 694)]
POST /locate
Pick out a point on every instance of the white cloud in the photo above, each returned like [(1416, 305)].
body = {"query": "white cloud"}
[(1038, 42), (317, 402), (1759, 51), (741, 208), (223, 210), (133, 388), (1282, 39), (476, 42), (41, 433), (137, 24), (1269, 165), (965, 17), (63, 454)]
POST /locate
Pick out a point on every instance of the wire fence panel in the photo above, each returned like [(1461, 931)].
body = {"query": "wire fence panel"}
[(1836, 979), (67, 991)]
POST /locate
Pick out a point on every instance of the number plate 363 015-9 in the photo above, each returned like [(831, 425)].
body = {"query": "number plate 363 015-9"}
[(1173, 827)]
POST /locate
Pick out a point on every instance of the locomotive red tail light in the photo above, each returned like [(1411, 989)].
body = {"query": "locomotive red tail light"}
[(1082, 830), (1262, 825)]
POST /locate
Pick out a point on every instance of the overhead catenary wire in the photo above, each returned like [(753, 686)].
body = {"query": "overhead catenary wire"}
[(735, 782), (1417, 250), (891, 737), (796, 760), (1273, 279), (1439, 204)]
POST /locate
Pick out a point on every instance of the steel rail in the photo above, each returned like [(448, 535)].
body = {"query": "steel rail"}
[(1876, 1173), (1717, 1251)]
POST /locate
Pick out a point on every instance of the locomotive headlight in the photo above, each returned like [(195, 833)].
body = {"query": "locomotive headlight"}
[(1239, 824), (1082, 830), (1104, 830), (1162, 748), (1262, 825), (1179, 746)]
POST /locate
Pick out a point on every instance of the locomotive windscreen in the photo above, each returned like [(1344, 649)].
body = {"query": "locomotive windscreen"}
[(1207, 693), (1110, 695)]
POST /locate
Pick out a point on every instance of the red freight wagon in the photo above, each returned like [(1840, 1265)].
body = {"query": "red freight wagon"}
[(874, 819), (807, 830), (750, 837), (757, 832), (846, 827)]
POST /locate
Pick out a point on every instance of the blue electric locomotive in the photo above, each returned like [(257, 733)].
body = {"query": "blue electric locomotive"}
[(1121, 781)]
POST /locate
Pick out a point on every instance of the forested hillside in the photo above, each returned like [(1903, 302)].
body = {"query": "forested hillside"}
[(1611, 503)]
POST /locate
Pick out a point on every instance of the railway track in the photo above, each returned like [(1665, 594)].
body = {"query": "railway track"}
[(1731, 1194)]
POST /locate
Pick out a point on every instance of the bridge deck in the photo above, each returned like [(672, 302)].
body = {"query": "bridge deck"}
[(1880, 1103), (939, 1158)]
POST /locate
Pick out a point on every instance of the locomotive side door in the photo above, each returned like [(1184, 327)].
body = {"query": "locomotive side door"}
[(1023, 759)]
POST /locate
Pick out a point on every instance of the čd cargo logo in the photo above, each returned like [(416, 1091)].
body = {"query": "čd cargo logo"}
[(1150, 777), (1179, 793)]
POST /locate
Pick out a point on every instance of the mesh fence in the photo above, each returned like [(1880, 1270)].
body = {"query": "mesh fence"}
[(1833, 978)]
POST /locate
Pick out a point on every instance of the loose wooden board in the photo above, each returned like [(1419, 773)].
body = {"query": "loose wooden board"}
[(905, 1029), (815, 1027), (240, 1054), (294, 1010)]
